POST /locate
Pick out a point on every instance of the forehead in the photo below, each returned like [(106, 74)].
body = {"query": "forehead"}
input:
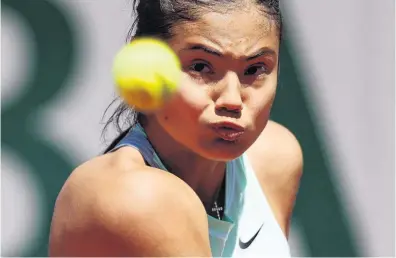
[(236, 32)]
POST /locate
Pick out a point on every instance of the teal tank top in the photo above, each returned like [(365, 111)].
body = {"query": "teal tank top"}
[(223, 234)]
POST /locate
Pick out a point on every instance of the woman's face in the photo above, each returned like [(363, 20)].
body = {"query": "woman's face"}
[(230, 69)]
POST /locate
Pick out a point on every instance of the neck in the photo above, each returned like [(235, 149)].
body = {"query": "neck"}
[(202, 175)]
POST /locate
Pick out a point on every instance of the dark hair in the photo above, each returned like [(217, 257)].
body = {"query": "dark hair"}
[(156, 18)]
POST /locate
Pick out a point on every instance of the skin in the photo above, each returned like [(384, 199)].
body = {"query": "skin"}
[(106, 204)]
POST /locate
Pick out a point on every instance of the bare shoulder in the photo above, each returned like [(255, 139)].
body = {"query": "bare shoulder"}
[(276, 152), (114, 206), (277, 159)]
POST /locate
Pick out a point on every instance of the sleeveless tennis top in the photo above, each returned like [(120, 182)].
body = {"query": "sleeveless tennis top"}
[(248, 227)]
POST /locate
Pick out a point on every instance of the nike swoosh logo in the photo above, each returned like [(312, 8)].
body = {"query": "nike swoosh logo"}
[(243, 245)]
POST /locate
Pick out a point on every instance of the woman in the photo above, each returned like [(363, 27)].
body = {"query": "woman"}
[(233, 174)]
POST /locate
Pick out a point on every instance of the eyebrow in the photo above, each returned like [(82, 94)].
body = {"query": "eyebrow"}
[(260, 52), (205, 49)]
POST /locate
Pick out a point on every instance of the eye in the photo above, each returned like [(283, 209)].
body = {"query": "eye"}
[(200, 67), (256, 70)]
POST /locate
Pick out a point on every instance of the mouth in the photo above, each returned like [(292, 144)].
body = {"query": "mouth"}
[(228, 131)]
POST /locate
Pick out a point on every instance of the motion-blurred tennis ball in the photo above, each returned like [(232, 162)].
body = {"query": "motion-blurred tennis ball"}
[(147, 73)]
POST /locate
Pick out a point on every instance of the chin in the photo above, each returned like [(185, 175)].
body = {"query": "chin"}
[(223, 151)]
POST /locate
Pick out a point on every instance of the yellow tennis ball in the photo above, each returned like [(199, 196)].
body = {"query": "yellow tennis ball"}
[(147, 73)]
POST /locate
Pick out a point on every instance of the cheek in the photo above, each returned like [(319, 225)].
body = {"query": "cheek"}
[(260, 100), (180, 118), (259, 103), (178, 124), (175, 117), (188, 104), (188, 99)]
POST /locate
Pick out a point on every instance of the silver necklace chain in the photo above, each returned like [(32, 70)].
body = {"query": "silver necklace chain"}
[(220, 194)]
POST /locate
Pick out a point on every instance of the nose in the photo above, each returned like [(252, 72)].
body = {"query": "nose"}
[(230, 95)]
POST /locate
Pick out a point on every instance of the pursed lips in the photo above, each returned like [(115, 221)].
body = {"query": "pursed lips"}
[(228, 131)]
